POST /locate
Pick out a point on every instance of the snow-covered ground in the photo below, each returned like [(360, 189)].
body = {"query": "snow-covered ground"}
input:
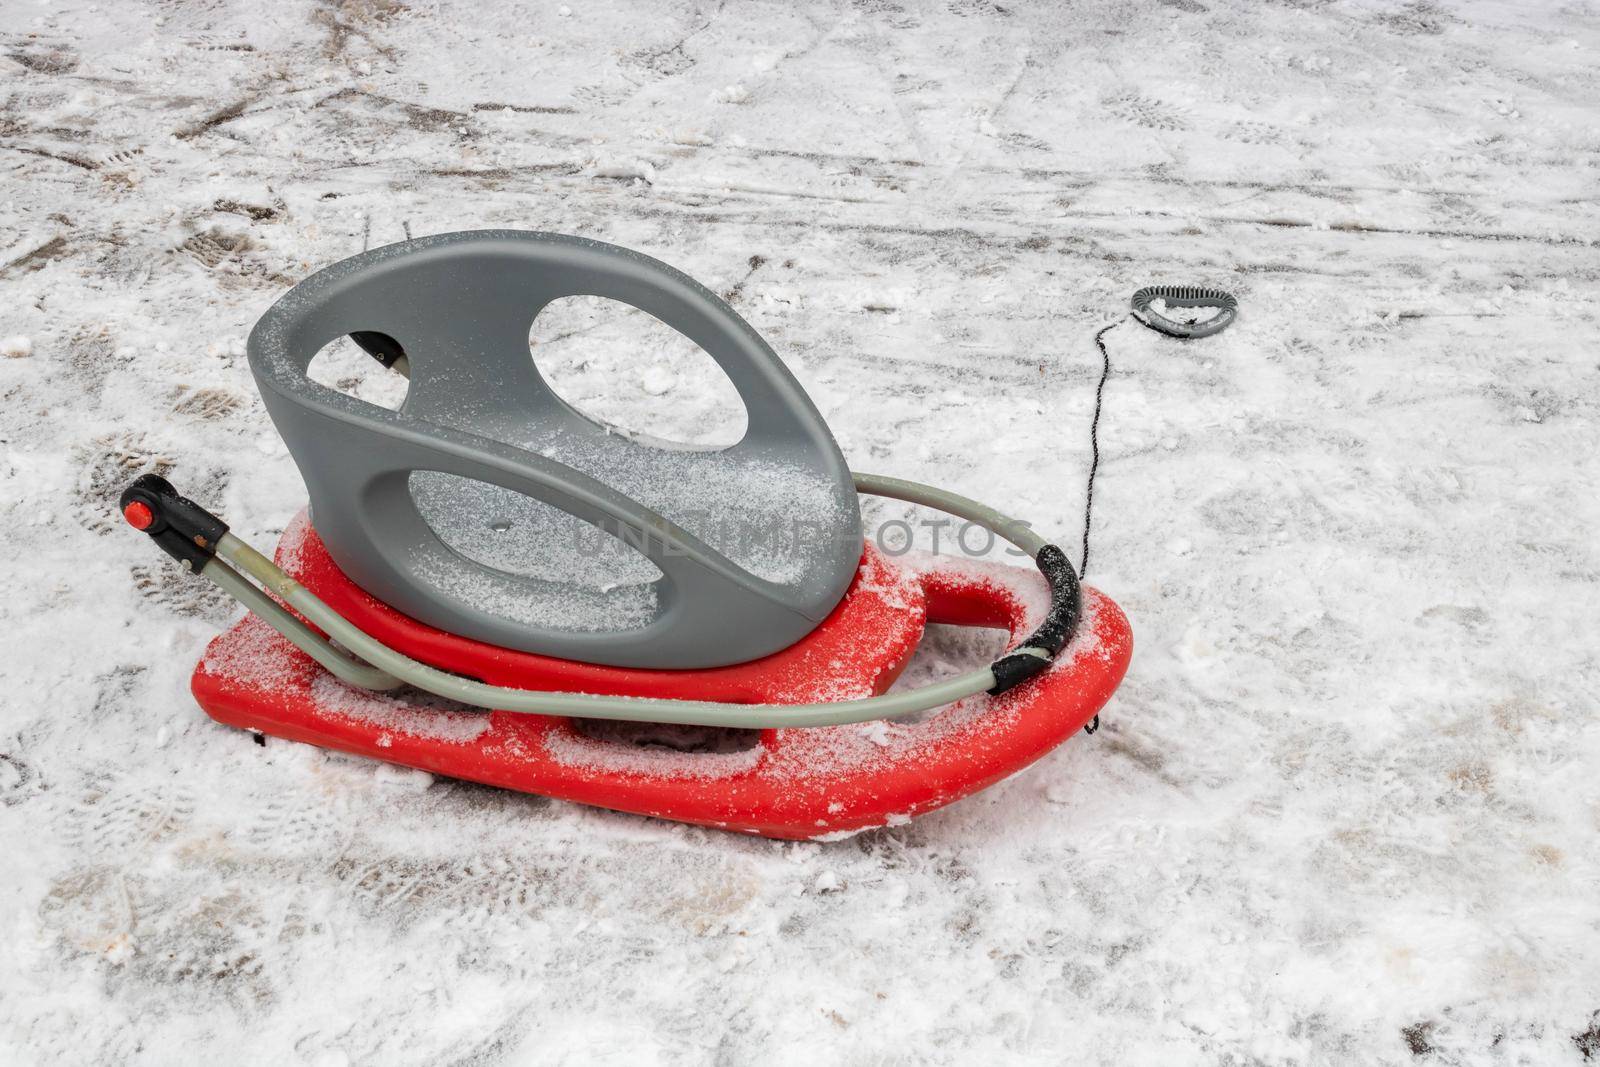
[(1343, 810)]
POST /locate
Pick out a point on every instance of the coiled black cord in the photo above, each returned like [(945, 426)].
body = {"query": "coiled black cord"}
[(1185, 296)]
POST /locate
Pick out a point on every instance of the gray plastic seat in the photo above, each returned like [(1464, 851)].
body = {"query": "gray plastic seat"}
[(464, 508)]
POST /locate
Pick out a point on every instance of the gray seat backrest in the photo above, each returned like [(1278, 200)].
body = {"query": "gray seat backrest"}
[(474, 507)]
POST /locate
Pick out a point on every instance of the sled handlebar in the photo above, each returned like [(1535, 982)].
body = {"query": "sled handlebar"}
[(201, 542)]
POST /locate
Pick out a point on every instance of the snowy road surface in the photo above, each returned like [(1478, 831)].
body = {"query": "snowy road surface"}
[(1343, 810)]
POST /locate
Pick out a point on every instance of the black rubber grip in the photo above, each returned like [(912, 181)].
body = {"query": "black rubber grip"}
[(185, 531), (1060, 623), (1193, 296), (1014, 668)]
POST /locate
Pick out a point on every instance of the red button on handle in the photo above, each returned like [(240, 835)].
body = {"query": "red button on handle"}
[(138, 514)]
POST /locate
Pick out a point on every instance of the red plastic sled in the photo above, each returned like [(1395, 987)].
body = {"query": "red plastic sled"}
[(815, 783)]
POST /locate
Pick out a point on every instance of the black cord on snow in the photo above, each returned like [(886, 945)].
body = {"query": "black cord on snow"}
[(1178, 296), (1094, 441), (1094, 463)]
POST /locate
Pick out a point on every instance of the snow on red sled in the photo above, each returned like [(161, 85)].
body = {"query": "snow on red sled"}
[(437, 617), (792, 783)]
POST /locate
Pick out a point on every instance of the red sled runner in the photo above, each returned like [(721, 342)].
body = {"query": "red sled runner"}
[(815, 783)]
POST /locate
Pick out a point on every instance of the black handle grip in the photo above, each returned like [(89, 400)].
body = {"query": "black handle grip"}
[(1035, 653), (185, 531)]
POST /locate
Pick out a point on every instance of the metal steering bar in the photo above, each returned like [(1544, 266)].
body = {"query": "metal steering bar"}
[(201, 543)]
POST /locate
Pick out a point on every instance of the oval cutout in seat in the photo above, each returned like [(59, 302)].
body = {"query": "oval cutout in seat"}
[(355, 369), (632, 373)]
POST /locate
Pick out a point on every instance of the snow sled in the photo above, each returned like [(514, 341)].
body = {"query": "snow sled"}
[(805, 783), (431, 609)]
